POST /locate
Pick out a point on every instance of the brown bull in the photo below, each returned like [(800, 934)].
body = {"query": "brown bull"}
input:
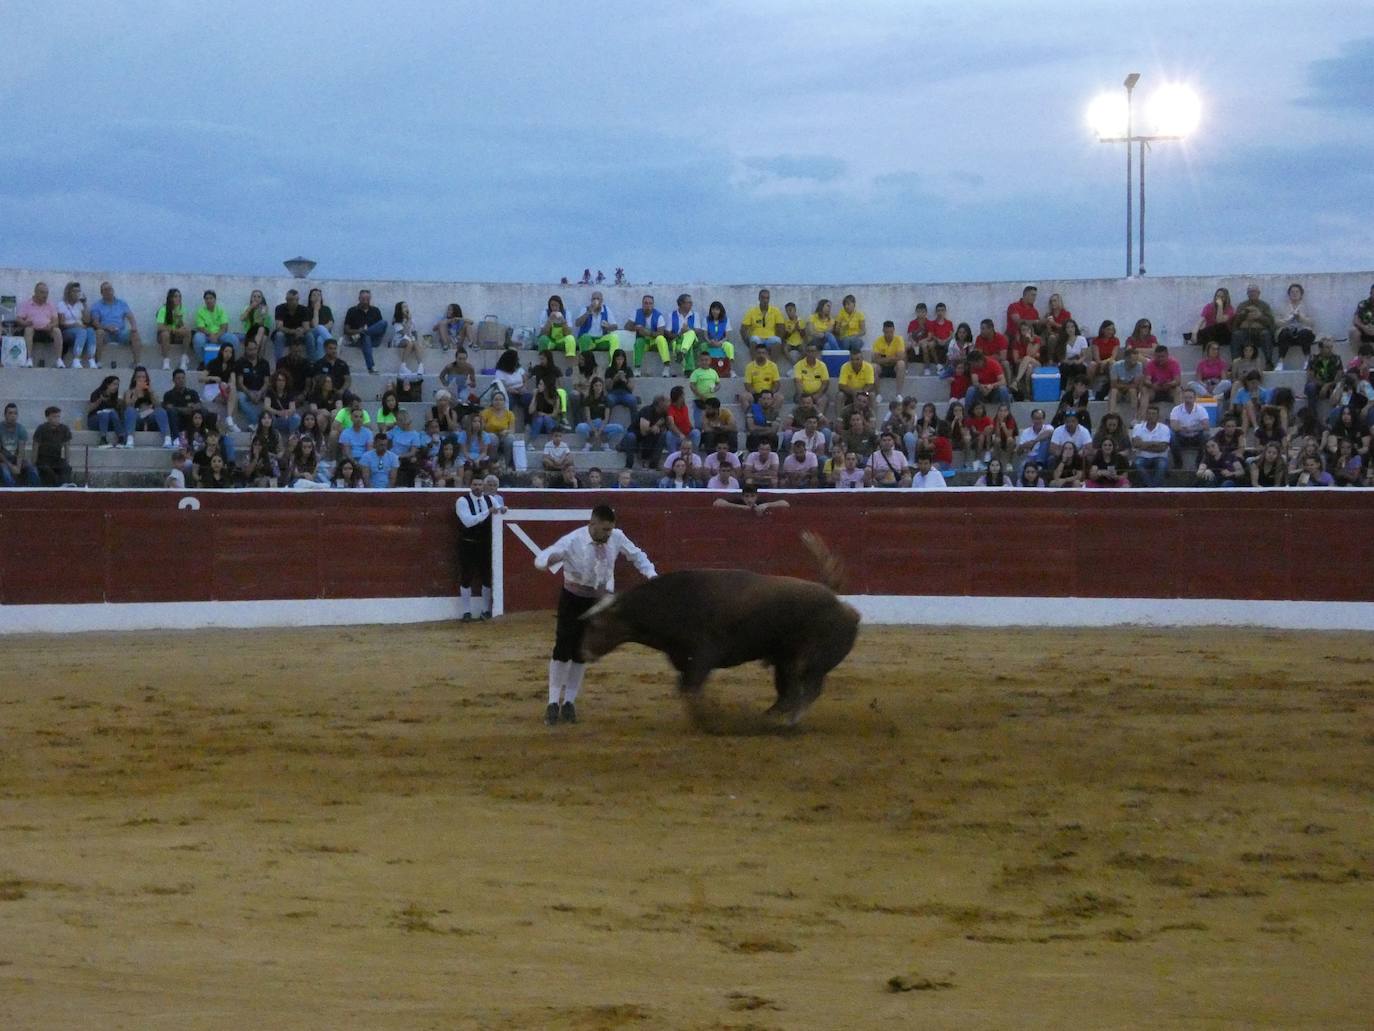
[(705, 619)]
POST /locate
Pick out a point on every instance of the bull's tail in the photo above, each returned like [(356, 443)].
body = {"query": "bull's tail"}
[(830, 565)]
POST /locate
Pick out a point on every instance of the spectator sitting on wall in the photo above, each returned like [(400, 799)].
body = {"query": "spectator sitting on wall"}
[(1127, 383), (1163, 378), (926, 476), (1108, 467), (14, 467), (1254, 322), (761, 326), (1214, 324), (800, 468), (558, 461), (291, 322), (1150, 440), (851, 325), (114, 323), (988, 381), (363, 326), (1295, 326), (39, 322)]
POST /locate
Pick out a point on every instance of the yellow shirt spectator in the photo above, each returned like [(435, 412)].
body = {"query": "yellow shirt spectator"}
[(848, 324), (856, 379), (761, 377), (819, 326), (498, 422), (758, 323), (791, 332), (885, 348), (810, 378)]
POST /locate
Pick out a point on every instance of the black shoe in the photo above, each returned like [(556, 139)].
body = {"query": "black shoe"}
[(485, 615), (568, 713), (551, 714), (467, 617)]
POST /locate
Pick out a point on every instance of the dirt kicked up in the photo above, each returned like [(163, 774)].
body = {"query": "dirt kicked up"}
[(371, 828)]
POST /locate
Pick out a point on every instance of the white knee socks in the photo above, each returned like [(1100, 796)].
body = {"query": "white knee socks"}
[(465, 597), (486, 599), (558, 675), (576, 671)]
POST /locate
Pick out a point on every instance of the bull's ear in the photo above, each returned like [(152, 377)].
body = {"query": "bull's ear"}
[(601, 606)]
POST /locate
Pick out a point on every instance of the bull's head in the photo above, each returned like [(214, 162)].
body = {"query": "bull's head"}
[(605, 629)]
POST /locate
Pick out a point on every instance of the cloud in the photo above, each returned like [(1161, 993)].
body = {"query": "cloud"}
[(1345, 82), (814, 167)]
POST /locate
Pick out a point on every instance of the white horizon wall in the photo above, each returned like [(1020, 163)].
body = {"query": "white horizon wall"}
[(1172, 303)]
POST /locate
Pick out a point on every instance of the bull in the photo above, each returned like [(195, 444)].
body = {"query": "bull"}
[(707, 619)]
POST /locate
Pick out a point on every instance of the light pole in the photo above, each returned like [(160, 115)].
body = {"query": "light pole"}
[(1174, 112)]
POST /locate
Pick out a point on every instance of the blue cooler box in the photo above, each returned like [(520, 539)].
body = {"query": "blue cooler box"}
[(834, 361), (1045, 385), (1210, 406)]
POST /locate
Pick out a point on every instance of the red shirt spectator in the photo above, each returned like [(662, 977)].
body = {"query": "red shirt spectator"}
[(1163, 369), (1021, 311), (681, 418), (959, 384), (1020, 345), (978, 423), (918, 329), (989, 341), (1106, 347), (941, 329), (941, 451), (989, 372)]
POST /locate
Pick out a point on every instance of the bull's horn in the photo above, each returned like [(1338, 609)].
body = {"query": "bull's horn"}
[(601, 606)]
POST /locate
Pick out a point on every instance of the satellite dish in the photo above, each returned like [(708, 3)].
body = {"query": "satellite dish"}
[(299, 267)]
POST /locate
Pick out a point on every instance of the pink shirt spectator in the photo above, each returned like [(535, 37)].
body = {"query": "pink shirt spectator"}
[(725, 482), (1163, 372), (1211, 369), (713, 462), (1209, 315), (40, 316), (850, 479), (792, 468), (759, 469)]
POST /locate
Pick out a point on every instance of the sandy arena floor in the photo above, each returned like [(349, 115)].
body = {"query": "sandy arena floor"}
[(370, 828)]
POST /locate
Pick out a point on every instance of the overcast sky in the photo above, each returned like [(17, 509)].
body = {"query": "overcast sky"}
[(775, 141)]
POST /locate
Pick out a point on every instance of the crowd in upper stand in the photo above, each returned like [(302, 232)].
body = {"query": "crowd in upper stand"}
[(824, 421)]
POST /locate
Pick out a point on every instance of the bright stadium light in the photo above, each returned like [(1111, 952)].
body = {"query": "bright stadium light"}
[(1174, 110), (1107, 115)]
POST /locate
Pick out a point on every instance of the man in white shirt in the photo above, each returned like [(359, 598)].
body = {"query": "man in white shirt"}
[(1150, 440), (474, 547), (588, 558), (1033, 443), (926, 476), (1190, 426), (1070, 429), (887, 467)]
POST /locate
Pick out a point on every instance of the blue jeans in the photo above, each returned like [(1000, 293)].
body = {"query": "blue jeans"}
[(131, 421), (79, 339), (122, 335), (612, 430), (1153, 469), (314, 342), (252, 411), (367, 339), (109, 424), (284, 426), (26, 472), (279, 344), (540, 423), (996, 396), (674, 440), (209, 349), (849, 343)]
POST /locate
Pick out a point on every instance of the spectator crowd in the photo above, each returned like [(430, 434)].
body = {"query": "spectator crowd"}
[(802, 417)]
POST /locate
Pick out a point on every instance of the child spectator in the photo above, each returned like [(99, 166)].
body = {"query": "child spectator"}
[(558, 461), (1030, 476), (51, 447)]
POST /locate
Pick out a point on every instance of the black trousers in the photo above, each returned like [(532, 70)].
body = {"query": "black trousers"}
[(567, 636), (474, 562)]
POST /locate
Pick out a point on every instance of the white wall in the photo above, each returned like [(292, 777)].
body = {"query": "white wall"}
[(1171, 303)]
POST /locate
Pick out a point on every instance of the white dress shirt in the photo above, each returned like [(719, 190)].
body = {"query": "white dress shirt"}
[(472, 509), (933, 480), (589, 568)]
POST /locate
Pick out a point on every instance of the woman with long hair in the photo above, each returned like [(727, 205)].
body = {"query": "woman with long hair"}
[(596, 425), (1026, 351), (172, 330), (1214, 324), (280, 403), (994, 476), (256, 319), (1269, 469), (718, 330), (405, 336), (447, 469), (217, 386), (385, 419), (453, 330), (321, 323), (1108, 467), (105, 413), (620, 380), (1068, 467), (556, 330), (266, 432), (142, 412), (347, 475), (1073, 352), (820, 326), (305, 461), (260, 467), (513, 381)]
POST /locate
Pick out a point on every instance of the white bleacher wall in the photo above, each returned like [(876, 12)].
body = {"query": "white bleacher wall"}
[(1172, 303)]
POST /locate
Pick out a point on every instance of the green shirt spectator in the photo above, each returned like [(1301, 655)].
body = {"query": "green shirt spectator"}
[(704, 381), (212, 320)]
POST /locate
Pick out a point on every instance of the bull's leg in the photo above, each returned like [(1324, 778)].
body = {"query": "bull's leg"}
[(693, 671), (785, 683)]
